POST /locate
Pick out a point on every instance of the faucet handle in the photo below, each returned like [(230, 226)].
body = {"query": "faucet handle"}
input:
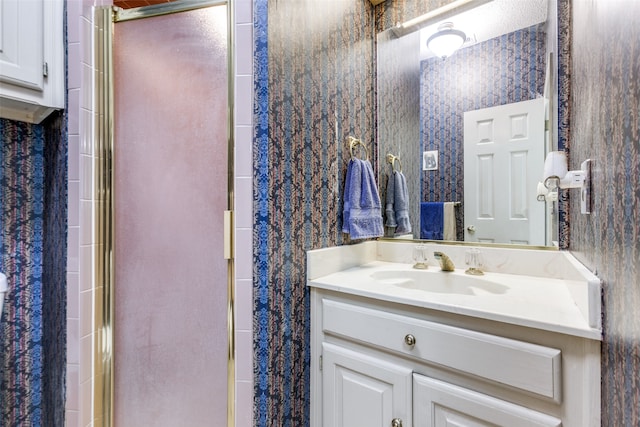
[(420, 256), (473, 258)]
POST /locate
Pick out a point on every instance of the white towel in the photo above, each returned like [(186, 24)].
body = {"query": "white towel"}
[(449, 221)]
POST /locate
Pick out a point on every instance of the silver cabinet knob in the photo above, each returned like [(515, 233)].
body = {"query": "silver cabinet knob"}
[(410, 340), (396, 422), (471, 229)]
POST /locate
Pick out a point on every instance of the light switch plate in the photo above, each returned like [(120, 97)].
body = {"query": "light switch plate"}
[(585, 191), (430, 160)]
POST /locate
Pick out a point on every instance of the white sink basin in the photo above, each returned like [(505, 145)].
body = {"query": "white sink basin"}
[(559, 305), (439, 282)]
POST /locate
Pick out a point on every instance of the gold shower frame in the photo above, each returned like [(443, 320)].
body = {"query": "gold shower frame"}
[(103, 348)]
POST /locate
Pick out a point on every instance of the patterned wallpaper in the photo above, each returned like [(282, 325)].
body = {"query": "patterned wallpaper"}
[(503, 70), (605, 126), (33, 256), (311, 65), (54, 271), (314, 87), (22, 183), (563, 120)]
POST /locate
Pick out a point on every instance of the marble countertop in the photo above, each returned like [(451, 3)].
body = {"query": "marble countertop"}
[(549, 303)]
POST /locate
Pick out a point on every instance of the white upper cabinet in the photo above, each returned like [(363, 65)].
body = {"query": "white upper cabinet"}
[(21, 53), (31, 59)]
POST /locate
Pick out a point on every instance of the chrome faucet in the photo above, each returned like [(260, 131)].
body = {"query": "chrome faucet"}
[(445, 262)]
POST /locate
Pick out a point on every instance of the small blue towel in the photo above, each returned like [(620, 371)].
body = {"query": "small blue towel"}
[(390, 211), (431, 220), (362, 217), (401, 204), (397, 207)]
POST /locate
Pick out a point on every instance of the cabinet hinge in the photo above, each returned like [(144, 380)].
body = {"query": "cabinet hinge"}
[(547, 125), (45, 69), (321, 363)]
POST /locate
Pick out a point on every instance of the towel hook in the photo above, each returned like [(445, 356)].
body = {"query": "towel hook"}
[(354, 143), (393, 159)]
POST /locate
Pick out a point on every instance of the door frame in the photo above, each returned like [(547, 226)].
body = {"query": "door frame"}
[(103, 217)]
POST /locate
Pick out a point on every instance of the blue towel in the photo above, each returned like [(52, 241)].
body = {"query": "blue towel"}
[(401, 203), (390, 212), (397, 206), (362, 217), (431, 220)]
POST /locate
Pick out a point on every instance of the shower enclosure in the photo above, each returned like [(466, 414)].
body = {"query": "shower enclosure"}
[(166, 311)]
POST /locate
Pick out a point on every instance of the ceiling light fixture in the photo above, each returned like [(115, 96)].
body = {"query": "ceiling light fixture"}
[(446, 41), (440, 14)]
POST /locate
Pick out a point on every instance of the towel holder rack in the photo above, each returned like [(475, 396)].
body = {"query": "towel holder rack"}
[(392, 160), (355, 143)]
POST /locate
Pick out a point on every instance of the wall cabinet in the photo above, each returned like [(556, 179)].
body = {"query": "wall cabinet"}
[(31, 59), (380, 364)]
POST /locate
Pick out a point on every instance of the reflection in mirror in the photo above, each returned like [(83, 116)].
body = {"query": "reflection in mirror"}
[(422, 104)]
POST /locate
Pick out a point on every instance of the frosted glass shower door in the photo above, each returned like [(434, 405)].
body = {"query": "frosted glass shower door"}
[(170, 168)]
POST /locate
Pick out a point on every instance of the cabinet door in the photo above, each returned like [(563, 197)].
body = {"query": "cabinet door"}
[(363, 391), (22, 43), (437, 403)]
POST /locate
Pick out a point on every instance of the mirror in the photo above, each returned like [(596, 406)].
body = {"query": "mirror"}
[(422, 101)]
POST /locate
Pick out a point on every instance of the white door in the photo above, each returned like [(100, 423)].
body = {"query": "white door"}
[(440, 404), (503, 162), (363, 391)]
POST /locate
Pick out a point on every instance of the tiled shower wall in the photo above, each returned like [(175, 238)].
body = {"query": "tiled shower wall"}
[(80, 287), (81, 202), (243, 136)]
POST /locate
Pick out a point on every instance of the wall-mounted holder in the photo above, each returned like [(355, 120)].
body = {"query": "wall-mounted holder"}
[(391, 159), (556, 175), (585, 192)]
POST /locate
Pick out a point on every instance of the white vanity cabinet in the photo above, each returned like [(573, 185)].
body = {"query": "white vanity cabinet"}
[(377, 364), (31, 59), (360, 390), (440, 404)]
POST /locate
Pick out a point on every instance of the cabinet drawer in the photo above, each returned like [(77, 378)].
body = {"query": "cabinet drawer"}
[(519, 364)]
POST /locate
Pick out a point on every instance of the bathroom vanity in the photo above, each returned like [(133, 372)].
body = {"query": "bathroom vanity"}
[(393, 346)]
